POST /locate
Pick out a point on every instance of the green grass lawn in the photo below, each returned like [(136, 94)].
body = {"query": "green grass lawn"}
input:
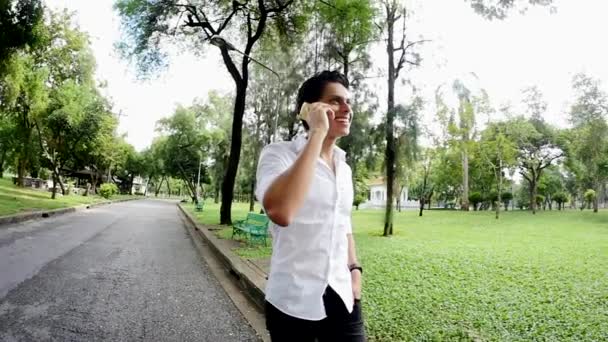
[(14, 200), (454, 276)]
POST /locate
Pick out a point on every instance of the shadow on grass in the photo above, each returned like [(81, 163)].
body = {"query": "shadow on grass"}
[(25, 192)]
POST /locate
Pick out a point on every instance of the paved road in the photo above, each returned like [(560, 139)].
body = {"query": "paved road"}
[(122, 272)]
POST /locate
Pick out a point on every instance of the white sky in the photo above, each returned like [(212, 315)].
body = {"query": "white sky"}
[(538, 48)]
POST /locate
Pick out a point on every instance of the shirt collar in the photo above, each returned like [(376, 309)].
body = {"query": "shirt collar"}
[(300, 141)]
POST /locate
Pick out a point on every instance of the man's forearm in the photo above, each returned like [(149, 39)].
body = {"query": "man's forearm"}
[(287, 193), (352, 253)]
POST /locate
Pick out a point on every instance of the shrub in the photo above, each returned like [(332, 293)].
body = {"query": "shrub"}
[(107, 190), (560, 198), (589, 197), (44, 173), (475, 198), (539, 200)]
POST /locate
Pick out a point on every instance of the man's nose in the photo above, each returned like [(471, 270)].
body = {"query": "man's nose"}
[(345, 108)]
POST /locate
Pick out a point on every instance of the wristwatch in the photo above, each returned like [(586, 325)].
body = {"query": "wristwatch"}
[(352, 267)]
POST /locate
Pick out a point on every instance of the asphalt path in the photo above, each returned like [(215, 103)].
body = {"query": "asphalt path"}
[(121, 272)]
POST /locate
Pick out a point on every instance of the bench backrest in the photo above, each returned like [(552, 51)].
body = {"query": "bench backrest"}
[(257, 219)]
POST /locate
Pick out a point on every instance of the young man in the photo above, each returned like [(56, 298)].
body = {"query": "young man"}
[(314, 287)]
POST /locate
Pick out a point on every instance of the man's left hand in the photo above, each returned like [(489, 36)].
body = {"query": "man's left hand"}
[(356, 280)]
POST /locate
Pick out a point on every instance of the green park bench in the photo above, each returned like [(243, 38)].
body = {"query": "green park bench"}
[(199, 205), (255, 228)]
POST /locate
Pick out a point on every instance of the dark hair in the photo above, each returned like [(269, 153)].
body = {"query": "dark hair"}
[(312, 89)]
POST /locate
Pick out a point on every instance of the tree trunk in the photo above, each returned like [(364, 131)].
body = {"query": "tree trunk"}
[(499, 189), (421, 207), (2, 157), (533, 197), (465, 180), (162, 179), (598, 193), (147, 185), (390, 141), (54, 194), (235, 151), (60, 183), (94, 181), (252, 196), (21, 171)]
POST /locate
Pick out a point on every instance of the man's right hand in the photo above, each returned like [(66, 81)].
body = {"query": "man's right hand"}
[(318, 118)]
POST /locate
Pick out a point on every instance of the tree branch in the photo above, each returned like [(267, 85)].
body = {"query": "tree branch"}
[(281, 7)]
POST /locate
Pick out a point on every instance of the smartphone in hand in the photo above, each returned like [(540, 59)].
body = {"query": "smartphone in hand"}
[(304, 111)]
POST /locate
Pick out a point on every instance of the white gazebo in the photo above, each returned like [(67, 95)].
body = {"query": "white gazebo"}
[(376, 197)]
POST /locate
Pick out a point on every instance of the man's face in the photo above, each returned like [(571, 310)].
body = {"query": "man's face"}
[(338, 97)]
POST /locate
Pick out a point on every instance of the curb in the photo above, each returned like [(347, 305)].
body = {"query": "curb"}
[(17, 218), (249, 279)]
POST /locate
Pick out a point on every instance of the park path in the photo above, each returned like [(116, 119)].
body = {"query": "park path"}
[(122, 272)]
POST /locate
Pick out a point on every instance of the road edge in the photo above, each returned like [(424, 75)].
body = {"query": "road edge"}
[(41, 214), (238, 278)]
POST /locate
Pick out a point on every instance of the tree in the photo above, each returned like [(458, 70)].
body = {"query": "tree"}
[(506, 198), (19, 21), (536, 106), (8, 139), (24, 96), (475, 198), (590, 197), (459, 125), (182, 151), (406, 133), (71, 121), (537, 149), (155, 164), (588, 115), (34, 80), (560, 198), (148, 25), (498, 152), (550, 184), (422, 188), (400, 45), (351, 30), (500, 9)]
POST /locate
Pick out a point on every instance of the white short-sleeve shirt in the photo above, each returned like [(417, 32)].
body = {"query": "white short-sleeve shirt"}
[(312, 252)]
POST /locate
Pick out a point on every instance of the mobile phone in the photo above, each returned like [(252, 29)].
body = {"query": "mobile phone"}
[(304, 111)]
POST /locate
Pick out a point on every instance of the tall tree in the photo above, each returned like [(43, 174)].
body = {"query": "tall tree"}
[(350, 31), (19, 20), (24, 96), (71, 121), (499, 153), (148, 24), (459, 124), (182, 151), (396, 44), (588, 115), (538, 148), (423, 187)]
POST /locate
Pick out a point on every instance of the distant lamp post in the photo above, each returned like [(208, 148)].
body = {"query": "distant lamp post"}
[(221, 42)]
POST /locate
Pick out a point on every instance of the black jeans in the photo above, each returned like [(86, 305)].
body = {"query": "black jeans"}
[(338, 326)]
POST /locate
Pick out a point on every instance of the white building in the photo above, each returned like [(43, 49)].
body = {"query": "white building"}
[(377, 196), (139, 185)]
